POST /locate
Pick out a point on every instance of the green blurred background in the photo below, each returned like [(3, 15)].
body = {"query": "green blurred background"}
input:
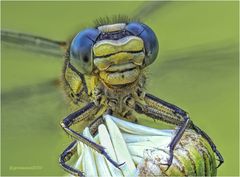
[(197, 70)]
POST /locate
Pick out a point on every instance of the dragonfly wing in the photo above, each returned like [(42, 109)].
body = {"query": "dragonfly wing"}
[(191, 76), (33, 43), (202, 58), (28, 91), (148, 8)]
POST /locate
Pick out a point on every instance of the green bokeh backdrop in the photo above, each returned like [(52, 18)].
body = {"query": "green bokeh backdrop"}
[(197, 69)]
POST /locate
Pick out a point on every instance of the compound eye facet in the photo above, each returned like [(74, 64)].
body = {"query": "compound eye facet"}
[(135, 28), (81, 50), (149, 38)]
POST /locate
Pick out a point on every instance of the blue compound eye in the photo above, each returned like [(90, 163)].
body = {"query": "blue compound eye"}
[(81, 50), (149, 38)]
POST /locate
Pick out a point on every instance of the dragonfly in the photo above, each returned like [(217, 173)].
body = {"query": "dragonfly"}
[(103, 87)]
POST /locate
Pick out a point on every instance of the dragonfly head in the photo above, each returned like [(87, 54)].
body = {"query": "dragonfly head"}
[(117, 52)]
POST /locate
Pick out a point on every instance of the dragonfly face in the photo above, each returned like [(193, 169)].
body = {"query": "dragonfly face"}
[(117, 52)]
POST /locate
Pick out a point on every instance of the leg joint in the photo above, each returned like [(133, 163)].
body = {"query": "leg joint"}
[(138, 108), (65, 123), (65, 156)]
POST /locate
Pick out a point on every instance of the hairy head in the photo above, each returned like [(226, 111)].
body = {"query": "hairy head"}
[(117, 51)]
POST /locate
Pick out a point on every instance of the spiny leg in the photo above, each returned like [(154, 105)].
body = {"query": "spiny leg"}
[(66, 156), (82, 114), (213, 146), (93, 126), (155, 114), (158, 103), (161, 110), (72, 149)]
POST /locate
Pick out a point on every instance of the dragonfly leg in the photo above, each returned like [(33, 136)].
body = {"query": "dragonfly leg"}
[(93, 126), (213, 146), (66, 155), (169, 113), (152, 100), (81, 114)]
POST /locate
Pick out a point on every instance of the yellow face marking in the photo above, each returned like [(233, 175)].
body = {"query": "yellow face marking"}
[(73, 79), (119, 78), (122, 57), (119, 61), (121, 67), (109, 47)]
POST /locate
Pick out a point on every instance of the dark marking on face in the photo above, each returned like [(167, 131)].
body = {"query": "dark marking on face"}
[(113, 35)]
